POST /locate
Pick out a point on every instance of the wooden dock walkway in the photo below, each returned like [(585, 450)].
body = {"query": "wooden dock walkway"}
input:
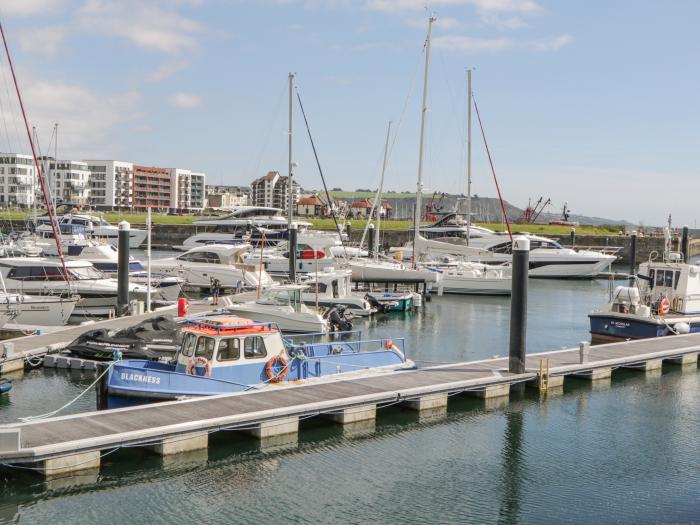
[(63, 444), (13, 352)]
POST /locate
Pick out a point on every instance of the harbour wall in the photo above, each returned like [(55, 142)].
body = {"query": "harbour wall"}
[(165, 236)]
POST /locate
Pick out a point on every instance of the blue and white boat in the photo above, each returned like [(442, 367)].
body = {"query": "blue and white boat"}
[(665, 300), (5, 385), (226, 354)]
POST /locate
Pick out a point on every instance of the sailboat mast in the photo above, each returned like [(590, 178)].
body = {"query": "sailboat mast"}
[(290, 191), (419, 185), (378, 204), (469, 153)]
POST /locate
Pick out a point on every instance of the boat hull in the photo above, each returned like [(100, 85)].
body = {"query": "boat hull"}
[(607, 327), (287, 321)]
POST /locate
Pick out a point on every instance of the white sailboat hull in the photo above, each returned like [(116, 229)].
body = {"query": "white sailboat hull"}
[(284, 316)]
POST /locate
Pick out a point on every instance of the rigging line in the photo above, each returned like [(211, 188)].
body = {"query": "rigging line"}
[(268, 132), (4, 122), (493, 170), (40, 175), (323, 179), (13, 110)]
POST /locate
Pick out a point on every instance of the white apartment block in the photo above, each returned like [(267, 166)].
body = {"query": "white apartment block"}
[(272, 190), (227, 197), (111, 184), (69, 180), (187, 190), (18, 182)]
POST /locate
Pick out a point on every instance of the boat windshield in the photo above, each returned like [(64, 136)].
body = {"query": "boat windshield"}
[(281, 298), (85, 273)]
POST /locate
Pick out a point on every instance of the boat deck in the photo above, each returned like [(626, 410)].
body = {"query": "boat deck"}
[(261, 411)]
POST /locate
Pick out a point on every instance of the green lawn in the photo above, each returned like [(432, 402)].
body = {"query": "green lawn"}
[(327, 224)]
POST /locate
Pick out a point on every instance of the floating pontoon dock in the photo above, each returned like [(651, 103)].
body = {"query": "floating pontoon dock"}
[(76, 442)]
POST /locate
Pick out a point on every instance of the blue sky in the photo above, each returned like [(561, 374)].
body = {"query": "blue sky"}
[(591, 102)]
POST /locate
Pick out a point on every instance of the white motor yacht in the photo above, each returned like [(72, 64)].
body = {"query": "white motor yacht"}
[(43, 276), (95, 227), (389, 270), (163, 287), (333, 287), (282, 305), (32, 310), (198, 266), (244, 224)]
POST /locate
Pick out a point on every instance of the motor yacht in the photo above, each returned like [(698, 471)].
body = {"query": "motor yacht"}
[(43, 276), (333, 287), (198, 266), (96, 227), (282, 305), (30, 310)]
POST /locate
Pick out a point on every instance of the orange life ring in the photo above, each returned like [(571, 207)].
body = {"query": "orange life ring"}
[(193, 363), (270, 369), (664, 306)]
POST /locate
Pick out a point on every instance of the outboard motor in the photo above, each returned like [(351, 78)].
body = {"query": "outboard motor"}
[(337, 319)]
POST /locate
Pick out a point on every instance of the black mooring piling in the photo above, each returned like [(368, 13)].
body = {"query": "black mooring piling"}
[(123, 268), (518, 305), (293, 252), (684, 244), (633, 252), (370, 241)]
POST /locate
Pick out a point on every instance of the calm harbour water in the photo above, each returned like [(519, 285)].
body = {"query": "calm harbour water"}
[(625, 453)]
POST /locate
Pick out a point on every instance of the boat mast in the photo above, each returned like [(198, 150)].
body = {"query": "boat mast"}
[(378, 204), (40, 175), (419, 185), (290, 192), (469, 153)]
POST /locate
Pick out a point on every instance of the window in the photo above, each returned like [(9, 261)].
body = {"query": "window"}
[(188, 345), (254, 348), (201, 257), (205, 347), (652, 277), (678, 276), (659, 278), (506, 247), (668, 279), (229, 349)]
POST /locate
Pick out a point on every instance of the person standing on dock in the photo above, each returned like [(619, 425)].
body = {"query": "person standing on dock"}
[(215, 290)]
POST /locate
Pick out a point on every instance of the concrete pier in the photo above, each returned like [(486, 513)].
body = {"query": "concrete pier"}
[(353, 414), (70, 463), (181, 443), (491, 391), (277, 427), (429, 402)]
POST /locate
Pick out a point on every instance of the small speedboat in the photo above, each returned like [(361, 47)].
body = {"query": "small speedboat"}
[(391, 301), (225, 354)]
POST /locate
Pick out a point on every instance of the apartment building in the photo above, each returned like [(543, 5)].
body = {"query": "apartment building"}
[(69, 180), (18, 183), (273, 190), (111, 184), (152, 188), (188, 190)]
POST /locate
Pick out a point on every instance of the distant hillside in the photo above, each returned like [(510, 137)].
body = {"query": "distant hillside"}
[(485, 209)]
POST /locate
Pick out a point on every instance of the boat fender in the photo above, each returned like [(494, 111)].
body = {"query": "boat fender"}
[(183, 307), (199, 361), (388, 344), (272, 363), (664, 306), (681, 328)]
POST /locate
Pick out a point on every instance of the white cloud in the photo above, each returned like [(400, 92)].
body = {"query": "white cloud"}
[(552, 44), (85, 117), (482, 6), (467, 44), (154, 25), (29, 7), (166, 70), (43, 41), (185, 100)]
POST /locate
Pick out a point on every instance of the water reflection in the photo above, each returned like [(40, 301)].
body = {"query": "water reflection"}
[(512, 474)]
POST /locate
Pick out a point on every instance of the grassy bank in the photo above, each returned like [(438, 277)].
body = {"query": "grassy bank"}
[(327, 224)]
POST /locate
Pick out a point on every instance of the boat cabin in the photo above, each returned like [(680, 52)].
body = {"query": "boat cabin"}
[(285, 295), (672, 279)]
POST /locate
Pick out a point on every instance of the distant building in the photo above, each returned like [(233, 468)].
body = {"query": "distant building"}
[(310, 206), (152, 188), (111, 184), (69, 180), (362, 208), (272, 191), (227, 196), (18, 184)]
